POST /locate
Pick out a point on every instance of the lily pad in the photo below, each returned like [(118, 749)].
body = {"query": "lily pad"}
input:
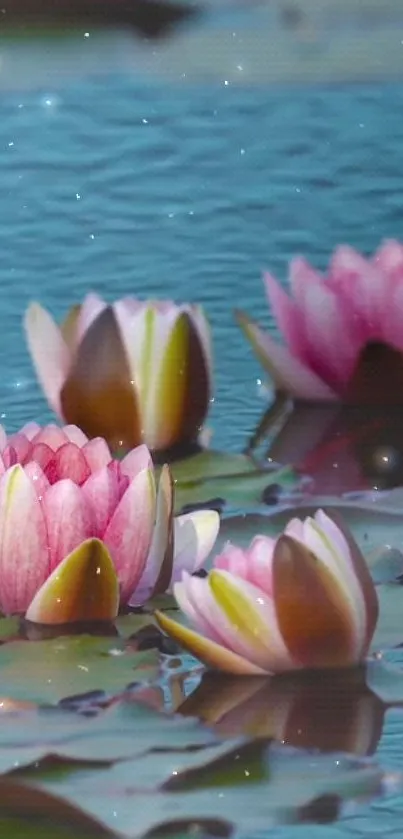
[(29, 813), (124, 730), (9, 628), (243, 785), (386, 680), (389, 631), (48, 671), (234, 478)]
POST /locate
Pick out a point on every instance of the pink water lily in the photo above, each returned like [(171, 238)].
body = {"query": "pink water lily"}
[(132, 372), (81, 533), (303, 600), (328, 324)]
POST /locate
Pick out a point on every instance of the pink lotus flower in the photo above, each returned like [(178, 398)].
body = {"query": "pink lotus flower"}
[(81, 533), (329, 322), (304, 600), (133, 372)]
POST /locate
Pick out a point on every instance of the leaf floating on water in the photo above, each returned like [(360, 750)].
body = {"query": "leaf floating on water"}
[(244, 786), (30, 813), (124, 730), (9, 628), (386, 564), (386, 681), (47, 671), (232, 478), (389, 631)]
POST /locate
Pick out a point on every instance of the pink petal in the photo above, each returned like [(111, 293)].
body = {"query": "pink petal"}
[(361, 286), (97, 453), (389, 259), (52, 436), (9, 456), (42, 455), (22, 447), (195, 535), (101, 490), (233, 559), (393, 323), (244, 618), (192, 595), (75, 435), (287, 315), (68, 462), (50, 354), (252, 565), (326, 318), (135, 461), (260, 558), (288, 373), (30, 430), (213, 655), (302, 277), (24, 555), (129, 533), (68, 518), (91, 307), (295, 528), (39, 480), (157, 572)]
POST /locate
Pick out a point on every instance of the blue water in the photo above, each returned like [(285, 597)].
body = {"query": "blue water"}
[(127, 188)]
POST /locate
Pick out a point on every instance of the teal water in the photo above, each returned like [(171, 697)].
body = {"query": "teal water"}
[(185, 193), (128, 188)]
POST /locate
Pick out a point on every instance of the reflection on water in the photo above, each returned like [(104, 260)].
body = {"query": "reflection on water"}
[(326, 711), (158, 191), (342, 448)]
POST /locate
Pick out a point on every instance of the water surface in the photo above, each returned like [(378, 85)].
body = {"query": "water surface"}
[(125, 187)]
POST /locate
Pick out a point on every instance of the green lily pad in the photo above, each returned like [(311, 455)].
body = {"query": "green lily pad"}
[(17, 828), (29, 813), (234, 478), (132, 623), (9, 628), (243, 785), (125, 730), (47, 671), (211, 464)]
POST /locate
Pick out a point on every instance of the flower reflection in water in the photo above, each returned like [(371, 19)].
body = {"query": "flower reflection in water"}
[(341, 448), (329, 711)]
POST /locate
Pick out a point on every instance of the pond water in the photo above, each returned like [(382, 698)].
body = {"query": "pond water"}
[(123, 184)]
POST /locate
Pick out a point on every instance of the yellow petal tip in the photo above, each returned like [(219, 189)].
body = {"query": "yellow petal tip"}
[(83, 589)]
